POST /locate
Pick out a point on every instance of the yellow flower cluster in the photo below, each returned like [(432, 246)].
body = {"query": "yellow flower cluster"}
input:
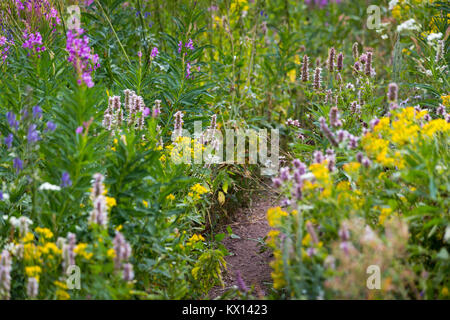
[(446, 100), (403, 128), (274, 216), (80, 250), (197, 190)]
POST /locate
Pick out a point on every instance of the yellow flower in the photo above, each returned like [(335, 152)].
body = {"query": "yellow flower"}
[(437, 125), (170, 197), (29, 237), (111, 253), (199, 189), (59, 284), (80, 250), (196, 237), (274, 216), (292, 74), (385, 212), (46, 233), (62, 295), (306, 240), (110, 202), (444, 291), (351, 167), (145, 203), (119, 227), (33, 271), (446, 100)]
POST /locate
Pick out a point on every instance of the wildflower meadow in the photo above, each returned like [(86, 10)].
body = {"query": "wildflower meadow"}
[(224, 150)]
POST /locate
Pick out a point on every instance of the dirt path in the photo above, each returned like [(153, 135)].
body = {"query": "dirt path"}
[(250, 225)]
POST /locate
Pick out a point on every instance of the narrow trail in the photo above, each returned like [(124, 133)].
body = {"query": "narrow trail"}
[(250, 225)]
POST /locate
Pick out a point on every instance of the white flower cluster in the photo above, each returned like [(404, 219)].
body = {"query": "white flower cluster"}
[(408, 25)]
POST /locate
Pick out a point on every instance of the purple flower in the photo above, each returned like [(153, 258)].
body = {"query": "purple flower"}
[(240, 282), (33, 135), (50, 126), (81, 56), (9, 140), (180, 46), (11, 117), (33, 41), (65, 180), (190, 44), (37, 112), (188, 70), (146, 112), (18, 164), (79, 130), (154, 52)]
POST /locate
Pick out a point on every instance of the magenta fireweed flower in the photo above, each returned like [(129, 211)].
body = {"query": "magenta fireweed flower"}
[(33, 41), (79, 130), (190, 45), (81, 56), (154, 52), (392, 92), (188, 70), (305, 69)]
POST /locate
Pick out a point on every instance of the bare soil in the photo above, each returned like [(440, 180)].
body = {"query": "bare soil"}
[(250, 225)]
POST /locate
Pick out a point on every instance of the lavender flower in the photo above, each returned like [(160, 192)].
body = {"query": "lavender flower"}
[(330, 62), (392, 92), (317, 79), (122, 250), (79, 130), (32, 287), (178, 126), (340, 62), (5, 274), (440, 111), (156, 109), (240, 282), (305, 69), (284, 174), (355, 51), (334, 117), (188, 70), (368, 66), (276, 182), (326, 131), (180, 46), (318, 156), (68, 251), (128, 273)]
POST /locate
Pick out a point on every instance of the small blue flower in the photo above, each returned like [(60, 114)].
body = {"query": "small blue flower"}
[(37, 112), (65, 180), (50, 126), (33, 135), (9, 140), (11, 117), (18, 164)]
